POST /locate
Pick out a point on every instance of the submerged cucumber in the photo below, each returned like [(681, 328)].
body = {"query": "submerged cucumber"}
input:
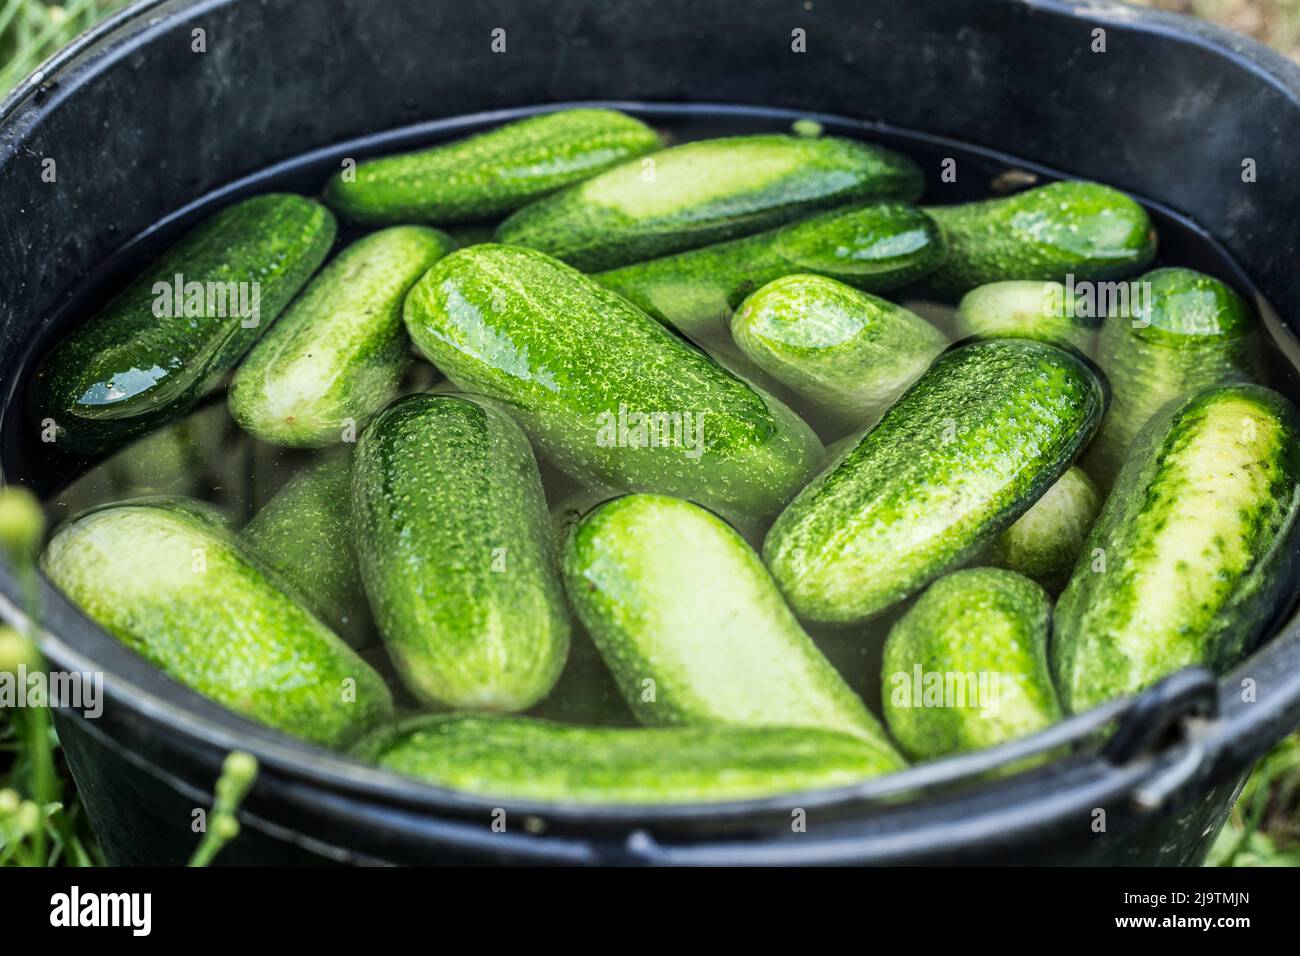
[(966, 667), (874, 248), (1046, 540), (1028, 310), (491, 173), (957, 459), (175, 587), (1188, 332), (137, 363), (340, 351), (1083, 229), (704, 192), (610, 395), (515, 757), (849, 352), (643, 575), (456, 552), (1191, 555)]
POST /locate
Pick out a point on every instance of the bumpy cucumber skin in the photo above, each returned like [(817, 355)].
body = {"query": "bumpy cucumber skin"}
[(525, 759), (962, 454), (305, 534), (127, 371), (1197, 333), (456, 552), (849, 352), (705, 192), (984, 622), (1082, 229), (1197, 538), (340, 351), (565, 354), (874, 248), (1046, 540), (492, 173), (176, 588), (642, 573), (1026, 309)]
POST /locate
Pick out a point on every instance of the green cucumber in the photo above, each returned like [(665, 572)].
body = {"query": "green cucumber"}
[(456, 552), (1048, 311), (491, 173), (1079, 229), (523, 759), (128, 370), (1188, 332), (305, 534), (849, 352), (176, 588), (966, 667), (1189, 561), (642, 573), (1046, 540), (962, 454), (873, 248), (704, 192), (340, 351), (607, 393)]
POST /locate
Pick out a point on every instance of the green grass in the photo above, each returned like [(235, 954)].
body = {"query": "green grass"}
[(31, 30)]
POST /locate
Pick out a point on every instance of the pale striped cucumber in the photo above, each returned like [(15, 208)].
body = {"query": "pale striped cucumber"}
[(456, 553), (491, 173), (607, 393), (874, 248), (178, 589), (966, 667), (340, 351), (523, 759), (1046, 540), (965, 451), (850, 353), (1191, 557), (704, 192), (1026, 309)]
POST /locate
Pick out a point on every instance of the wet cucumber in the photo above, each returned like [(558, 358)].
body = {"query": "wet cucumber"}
[(128, 369), (849, 352), (176, 588), (340, 351), (874, 248), (966, 667), (705, 192), (491, 173), (1083, 229), (1028, 310), (1046, 540), (962, 454), (456, 551), (607, 393), (524, 759), (1189, 332), (642, 573), (1190, 558)]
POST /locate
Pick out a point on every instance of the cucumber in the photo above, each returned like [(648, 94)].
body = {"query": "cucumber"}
[(305, 534), (1079, 229), (849, 352), (1189, 332), (491, 173), (1048, 311), (456, 553), (127, 370), (523, 759), (176, 588), (874, 248), (643, 573), (608, 394), (963, 453), (1046, 540), (704, 192), (966, 667), (340, 351), (1190, 559)]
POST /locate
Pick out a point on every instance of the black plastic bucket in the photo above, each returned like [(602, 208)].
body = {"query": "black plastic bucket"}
[(143, 127)]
